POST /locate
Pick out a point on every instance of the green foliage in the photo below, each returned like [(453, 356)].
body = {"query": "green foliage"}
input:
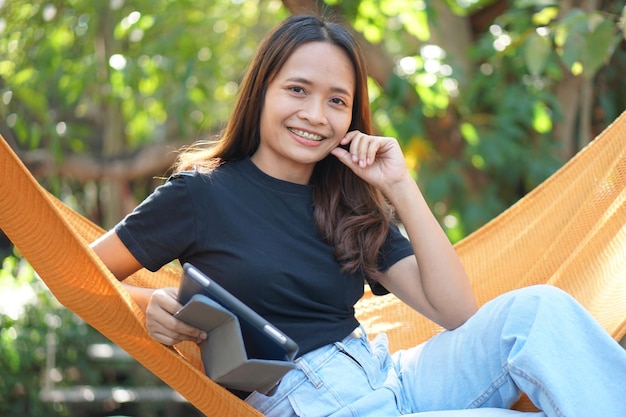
[(506, 104), (30, 319), (169, 67), (104, 77), (583, 41), (44, 345)]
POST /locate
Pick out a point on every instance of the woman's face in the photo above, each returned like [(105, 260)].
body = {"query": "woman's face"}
[(306, 112)]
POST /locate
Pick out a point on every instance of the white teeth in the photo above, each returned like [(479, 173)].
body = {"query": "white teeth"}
[(307, 135)]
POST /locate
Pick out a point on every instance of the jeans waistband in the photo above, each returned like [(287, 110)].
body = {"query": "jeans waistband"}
[(307, 368), (316, 358)]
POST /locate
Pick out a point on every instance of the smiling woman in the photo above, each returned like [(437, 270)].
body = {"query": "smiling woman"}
[(294, 209)]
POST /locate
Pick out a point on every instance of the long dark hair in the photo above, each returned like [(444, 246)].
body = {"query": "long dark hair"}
[(351, 215)]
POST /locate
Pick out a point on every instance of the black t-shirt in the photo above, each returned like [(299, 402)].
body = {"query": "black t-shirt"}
[(254, 235)]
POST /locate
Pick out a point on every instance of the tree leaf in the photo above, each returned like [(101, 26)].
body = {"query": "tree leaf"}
[(536, 53), (571, 36), (598, 48)]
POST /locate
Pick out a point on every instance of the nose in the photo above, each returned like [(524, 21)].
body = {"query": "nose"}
[(313, 112)]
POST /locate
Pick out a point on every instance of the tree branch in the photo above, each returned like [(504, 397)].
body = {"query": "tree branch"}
[(150, 160)]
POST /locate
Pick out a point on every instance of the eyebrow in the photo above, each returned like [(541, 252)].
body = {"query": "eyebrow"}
[(308, 82)]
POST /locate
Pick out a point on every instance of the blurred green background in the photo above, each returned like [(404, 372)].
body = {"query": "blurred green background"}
[(487, 97)]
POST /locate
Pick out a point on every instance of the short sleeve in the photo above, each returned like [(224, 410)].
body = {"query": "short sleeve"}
[(162, 227), (396, 247)]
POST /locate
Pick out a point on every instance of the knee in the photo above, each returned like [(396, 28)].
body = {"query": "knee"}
[(543, 294), (536, 306), (543, 300)]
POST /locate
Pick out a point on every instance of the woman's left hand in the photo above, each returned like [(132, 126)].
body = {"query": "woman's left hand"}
[(376, 159)]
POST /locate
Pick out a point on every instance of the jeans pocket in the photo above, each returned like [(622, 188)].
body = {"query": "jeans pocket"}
[(271, 406), (374, 362), (343, 379)]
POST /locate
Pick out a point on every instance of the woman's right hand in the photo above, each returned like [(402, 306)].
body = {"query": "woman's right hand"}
[(161, 323), (159, 305)]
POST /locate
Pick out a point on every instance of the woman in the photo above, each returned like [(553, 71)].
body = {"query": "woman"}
[(292, 210)]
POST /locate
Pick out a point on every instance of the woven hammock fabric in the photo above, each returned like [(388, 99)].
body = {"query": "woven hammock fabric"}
[(569, 232)]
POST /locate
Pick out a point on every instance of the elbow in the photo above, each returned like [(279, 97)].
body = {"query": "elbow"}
[(460, 317)]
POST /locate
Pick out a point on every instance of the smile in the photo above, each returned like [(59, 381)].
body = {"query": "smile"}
[(306, 135)]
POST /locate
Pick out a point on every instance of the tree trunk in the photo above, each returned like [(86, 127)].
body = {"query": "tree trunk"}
[(113, 139), (567, 92), (586, 96), (457, 43), (575, 95)]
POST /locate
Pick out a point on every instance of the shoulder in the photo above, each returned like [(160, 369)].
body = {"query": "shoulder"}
[(224, 179), (193, 178), (183, 174), (226, 169)]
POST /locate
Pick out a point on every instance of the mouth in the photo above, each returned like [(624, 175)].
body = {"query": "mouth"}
[(306, 135)]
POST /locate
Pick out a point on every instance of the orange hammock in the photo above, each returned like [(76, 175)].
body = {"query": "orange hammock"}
[(569, 232)]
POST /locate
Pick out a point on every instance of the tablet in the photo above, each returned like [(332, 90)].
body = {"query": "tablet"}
[(262, 340)]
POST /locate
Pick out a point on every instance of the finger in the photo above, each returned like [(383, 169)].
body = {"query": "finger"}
[(372, 151), (342, 154), (366, 148), (362, 151), (345, 157), (161, 333), (354, 143), (168, 330), (164, 336), (170, 339), (359, 146), (353, 139), (161, 322), (166, 299), (175, 331), (350, 136)]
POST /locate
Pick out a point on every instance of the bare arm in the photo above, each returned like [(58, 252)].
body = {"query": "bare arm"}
[(158, 304), (433, 281)]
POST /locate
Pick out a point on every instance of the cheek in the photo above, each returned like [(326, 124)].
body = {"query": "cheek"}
[(346, 127), (342, 124), (269, 113)]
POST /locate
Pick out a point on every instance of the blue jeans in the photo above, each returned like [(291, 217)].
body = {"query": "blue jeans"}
[(536, 340)]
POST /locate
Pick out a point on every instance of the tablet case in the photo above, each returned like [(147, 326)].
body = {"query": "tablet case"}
[(261, 339), (223, 352)]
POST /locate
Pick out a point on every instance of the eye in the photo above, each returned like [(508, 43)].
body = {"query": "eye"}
[(297, 89), (341, 102)]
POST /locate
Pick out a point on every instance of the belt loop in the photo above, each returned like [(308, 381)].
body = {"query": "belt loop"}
[(302, 364), (358, 333)]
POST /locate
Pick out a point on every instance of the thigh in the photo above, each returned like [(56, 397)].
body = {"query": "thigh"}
[(459, 369)]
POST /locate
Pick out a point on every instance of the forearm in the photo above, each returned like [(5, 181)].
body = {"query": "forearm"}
[(441, 274), (140, 295)]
